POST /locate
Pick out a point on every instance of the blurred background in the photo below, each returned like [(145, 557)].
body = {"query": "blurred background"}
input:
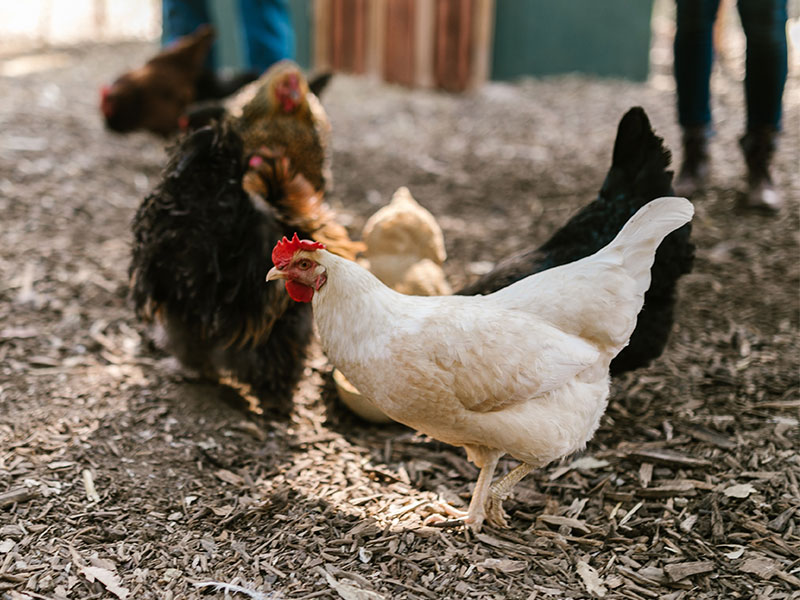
[(449, 44), (191, 488)]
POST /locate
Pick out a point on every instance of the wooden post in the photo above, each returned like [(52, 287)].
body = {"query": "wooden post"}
[(375, 37), (322, 35), (482, 42), (424, 36), (398, 65)]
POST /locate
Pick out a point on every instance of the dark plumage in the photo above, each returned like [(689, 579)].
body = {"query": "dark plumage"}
[(201, 252), (639, 173)]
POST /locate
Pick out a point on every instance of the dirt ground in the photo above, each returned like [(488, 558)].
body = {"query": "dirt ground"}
[(121, 476)]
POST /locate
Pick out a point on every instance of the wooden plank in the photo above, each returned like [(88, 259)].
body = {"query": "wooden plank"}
[(375, 37), (322, 35), (453, 44), (399, 46), (482, 42), (359, 9), (424, 34), (464, 37), (337, 34)]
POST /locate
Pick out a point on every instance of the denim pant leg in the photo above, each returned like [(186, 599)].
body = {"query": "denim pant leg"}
[(693, 58), (268, 32), (764, 24), (182, 17)]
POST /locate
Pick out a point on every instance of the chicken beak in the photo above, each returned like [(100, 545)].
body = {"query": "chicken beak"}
[(276, 273)]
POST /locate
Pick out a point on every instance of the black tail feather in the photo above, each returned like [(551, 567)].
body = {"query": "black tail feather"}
[(638, 174), (318, 83)]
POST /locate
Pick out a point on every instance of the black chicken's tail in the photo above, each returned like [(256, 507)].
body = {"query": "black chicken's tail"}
[(640, 163), (639, 173), (318, 83)]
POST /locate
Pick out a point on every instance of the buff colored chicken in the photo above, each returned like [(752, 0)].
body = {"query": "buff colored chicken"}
[(405, 247), (405, 250), (523, 371)]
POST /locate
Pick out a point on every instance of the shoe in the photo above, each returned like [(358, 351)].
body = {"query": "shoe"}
[(759, 146), (694, 172)]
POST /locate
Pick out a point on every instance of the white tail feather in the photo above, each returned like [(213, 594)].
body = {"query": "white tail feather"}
[(643, 233)]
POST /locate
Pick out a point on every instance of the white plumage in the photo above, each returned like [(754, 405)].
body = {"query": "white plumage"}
[(523, 371)]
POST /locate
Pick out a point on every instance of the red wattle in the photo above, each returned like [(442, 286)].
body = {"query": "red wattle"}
[(287, 105), (299, 292)]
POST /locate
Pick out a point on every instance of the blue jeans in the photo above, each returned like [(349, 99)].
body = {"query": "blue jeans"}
[(268, 33), (764, 24)]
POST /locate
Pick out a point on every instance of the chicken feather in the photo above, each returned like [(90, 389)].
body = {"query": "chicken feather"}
[(639, 173), (522, 371)]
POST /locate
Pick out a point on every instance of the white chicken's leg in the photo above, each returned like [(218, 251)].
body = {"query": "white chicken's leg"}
[(500, 491), (487, 461)]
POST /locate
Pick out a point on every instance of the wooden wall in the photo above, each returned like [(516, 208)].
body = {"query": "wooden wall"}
[(426, 43)]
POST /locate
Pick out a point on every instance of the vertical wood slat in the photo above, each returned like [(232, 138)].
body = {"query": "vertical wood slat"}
[(359, 36), (442, 43), (482, 47), (453, 44), (346, 39), (322, 35), (375, 37), (398, 64), (336, 51), (424, 37)]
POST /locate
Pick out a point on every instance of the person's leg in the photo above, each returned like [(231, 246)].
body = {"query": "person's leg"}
[(693, 57), (694, 50), (268, 32), (764, 24), (181, 17)]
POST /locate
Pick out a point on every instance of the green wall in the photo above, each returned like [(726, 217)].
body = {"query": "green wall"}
[(303, 32), (610, 38)]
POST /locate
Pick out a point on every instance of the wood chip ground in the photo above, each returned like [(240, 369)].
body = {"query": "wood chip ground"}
[(123, 477)]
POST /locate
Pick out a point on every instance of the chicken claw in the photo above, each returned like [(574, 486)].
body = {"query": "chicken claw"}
[(445, 515), (500, 490), (495, 513)]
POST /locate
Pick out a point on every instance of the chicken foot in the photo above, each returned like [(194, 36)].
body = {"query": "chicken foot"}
[(500, 490), (485, 459), (476, 513)]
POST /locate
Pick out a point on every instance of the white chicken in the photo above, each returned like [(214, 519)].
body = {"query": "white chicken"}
[(522, 371), (405, 250)]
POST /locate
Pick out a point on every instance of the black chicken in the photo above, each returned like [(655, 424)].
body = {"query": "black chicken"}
[(638, 175), (201, 250)]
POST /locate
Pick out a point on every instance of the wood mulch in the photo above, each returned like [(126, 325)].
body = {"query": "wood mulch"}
[(123, 477)]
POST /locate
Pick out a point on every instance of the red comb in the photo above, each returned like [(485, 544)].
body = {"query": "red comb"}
[(105, 103), (285, 249)]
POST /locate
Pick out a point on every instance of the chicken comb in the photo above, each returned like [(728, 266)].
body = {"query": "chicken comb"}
[(105, 102), (285, 249)]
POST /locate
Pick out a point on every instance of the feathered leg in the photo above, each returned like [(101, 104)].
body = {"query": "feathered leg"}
[(500, 491)]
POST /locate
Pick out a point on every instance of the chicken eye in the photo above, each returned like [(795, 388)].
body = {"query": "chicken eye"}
[(304, 264)]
